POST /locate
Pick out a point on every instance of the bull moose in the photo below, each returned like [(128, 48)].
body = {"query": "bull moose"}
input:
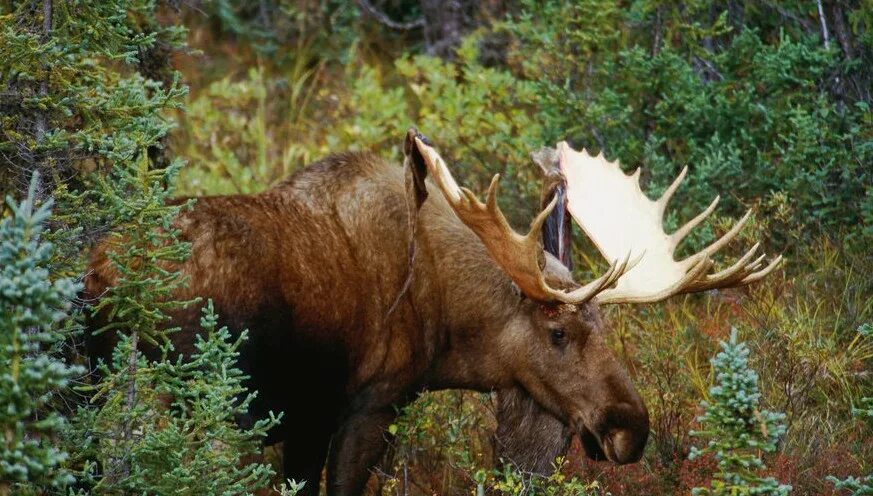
[(347, 322)]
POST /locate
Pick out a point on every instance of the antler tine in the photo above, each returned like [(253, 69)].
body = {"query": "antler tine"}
[(626, 266), (741, 278), (763, 272), (728, 236), (729, 276), (594, 288), (743, 262), (758, 261), (491, 195), (621, 295), (683, 231), (519, 256), (536, 225), (668, 193)]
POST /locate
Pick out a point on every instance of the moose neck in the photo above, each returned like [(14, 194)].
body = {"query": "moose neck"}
[(477, 301)]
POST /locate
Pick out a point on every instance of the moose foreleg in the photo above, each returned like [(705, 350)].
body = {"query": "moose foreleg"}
[(356, 448)]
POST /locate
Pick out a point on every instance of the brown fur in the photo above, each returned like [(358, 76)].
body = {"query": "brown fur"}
[(311, 267)]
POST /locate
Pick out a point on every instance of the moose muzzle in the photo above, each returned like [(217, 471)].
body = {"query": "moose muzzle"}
[(617, 433)]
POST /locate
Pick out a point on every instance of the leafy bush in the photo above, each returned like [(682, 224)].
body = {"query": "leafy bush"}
[(438, 440), (238, 139), (746, 107), (510, 481)]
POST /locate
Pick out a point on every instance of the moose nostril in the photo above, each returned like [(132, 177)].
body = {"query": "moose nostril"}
[(625, 431), (626, 446)]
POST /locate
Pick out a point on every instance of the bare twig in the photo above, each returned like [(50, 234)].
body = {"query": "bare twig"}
[(383, 18), (41, 119), (122, 470), (658, 32), (41, 115), (708, 69)]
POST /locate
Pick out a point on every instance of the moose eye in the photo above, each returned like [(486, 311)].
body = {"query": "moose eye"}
[(559, 337)]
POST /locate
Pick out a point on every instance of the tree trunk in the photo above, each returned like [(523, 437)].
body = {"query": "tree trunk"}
[(841, 31), (41, 159), (445, 24)]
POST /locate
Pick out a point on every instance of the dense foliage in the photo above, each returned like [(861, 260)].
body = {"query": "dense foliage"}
[(179, 435), (768, 103), (88, 93), (32, 310), (79, 94), (748, 103)]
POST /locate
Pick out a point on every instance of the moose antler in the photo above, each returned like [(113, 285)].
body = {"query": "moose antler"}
[(616, 215), (519, 256)]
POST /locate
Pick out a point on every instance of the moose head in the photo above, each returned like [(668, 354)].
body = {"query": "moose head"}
[(553, 345)]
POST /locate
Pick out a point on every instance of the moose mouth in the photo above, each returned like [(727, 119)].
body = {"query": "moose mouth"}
[(619, 446), (591, 446)]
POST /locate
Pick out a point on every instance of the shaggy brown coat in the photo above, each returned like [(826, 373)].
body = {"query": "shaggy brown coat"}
[(311, 267)]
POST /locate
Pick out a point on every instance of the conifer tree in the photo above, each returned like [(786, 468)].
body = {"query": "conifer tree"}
[(142, 249), (738, 431), (202, 446), (82, 104), (863, 485), (186, 439), (31, 371), (74, 99)]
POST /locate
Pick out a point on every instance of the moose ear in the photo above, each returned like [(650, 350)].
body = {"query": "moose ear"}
[(557, 229), (547, 159), (416, 169)]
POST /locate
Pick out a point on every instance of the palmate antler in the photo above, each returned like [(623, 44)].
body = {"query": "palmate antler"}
[(621, 221), (519, 256), (616, 215)]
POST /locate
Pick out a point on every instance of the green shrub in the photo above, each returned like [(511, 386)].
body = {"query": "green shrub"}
[(509, 481), (751, 109)]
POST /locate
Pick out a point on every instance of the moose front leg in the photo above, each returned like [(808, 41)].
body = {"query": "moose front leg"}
[(355, 449)]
